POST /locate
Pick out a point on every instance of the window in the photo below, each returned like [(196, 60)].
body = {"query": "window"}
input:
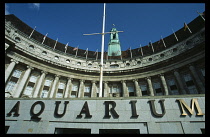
[(17, 39), (192, 90), (47, 82), (44, 93), (131, 89), (162, 55), (143, 90), (59, 93), (127, 64), (157, 88), (87, 89), (73, 94), (115, 88), (67, 61), (114, 66), (174, 49), (138, 62), (10, 86), (89, 65), (31, 47), (72, 131), (44, 53), (172, 86), (61, 85), (33, 79), (56, 58), (190, 84), (17, 73), (114, 36), (28, 90), (187, 77), (75, 88), (150, 59), (78, 63)]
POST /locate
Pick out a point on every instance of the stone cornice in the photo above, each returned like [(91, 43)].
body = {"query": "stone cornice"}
[(37, 52)]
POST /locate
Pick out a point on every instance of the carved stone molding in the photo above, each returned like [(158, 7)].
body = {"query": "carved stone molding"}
[(30, 67), (13, 60)]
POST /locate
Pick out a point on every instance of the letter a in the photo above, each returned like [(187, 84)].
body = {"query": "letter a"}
[(85, 110), (15, 109)]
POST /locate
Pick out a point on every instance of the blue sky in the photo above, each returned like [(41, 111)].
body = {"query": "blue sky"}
[(141, 22)]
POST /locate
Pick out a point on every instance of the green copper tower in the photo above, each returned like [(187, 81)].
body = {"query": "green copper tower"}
[(114, 48)]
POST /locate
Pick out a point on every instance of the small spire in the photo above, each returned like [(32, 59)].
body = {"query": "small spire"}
[(113, 25)]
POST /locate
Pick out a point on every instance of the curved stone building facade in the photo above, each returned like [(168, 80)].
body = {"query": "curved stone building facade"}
[(51, 91)]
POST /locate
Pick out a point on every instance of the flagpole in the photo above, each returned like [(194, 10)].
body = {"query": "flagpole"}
[(66, 47), (55, 44), (152, 46), (32, 32), (86, 55), (141, 50), (44, 38), (188, 27), (102, 54), (130, 52), (201, 16), (163, 41), (175, 35), (77, 50), (96, 54)]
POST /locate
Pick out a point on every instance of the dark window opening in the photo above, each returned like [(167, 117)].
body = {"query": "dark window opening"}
[(114, 36), (119, 131), (114, 66), (131, 94), (190, 83), (87, 94), (158, 90), (6, 129), (173, 87), (144, 93), (73, 93), (115, 95), (203, 130), (72, 131)]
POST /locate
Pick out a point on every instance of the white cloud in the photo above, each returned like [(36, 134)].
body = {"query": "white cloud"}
[(34, 6), (6, 9)]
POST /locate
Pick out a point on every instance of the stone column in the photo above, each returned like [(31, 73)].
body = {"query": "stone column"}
[(106, 91), (197, 79), (81, 89), (137, 88), (151, 90), (67, 93), (180, 82), (10, 68), (39, 84), (125, 90), (93, 89), (23, 82), (163, 80), (53, 89)]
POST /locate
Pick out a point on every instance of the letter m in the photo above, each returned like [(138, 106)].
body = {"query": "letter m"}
[(191, 110)]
